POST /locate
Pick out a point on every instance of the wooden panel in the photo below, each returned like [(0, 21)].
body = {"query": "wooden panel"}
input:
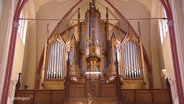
[(128, 96), (146, 96), (42, 97), (39, 97), (143, 97), (57, 97), (24, 97), (108, 96), (77, 91), (108, 91), (161, 97)]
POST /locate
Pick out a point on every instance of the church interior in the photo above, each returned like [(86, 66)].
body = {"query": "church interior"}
[(91, 52)]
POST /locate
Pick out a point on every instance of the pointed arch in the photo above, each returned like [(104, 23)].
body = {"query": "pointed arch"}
[(11, 52), (177, 73), (21, 4), (150, 78)]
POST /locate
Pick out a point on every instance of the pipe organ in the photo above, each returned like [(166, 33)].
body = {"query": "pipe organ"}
[(113, 45), (55, 63), (131, 60), (93, 55)]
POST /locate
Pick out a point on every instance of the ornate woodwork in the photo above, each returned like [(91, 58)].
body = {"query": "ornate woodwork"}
[(130, 96), (98, 65)]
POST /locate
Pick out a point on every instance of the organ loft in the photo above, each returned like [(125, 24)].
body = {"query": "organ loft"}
[(93, 58), (92, 65)]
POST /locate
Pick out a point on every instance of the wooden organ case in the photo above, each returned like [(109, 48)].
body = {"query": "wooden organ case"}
[(94, 68)]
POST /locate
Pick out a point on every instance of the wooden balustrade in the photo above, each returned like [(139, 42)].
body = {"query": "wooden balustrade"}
[(146, 96), (38, 96), (129, 96)]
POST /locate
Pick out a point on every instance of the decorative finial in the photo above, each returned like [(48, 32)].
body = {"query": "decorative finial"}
[(78, 15), (47, 30), (113, 36), (139, 29), (91, 1), (107, 14)]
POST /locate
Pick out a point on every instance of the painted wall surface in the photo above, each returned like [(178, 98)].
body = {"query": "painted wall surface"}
[(29, 67), (1, 7), (54, 9), (29, 64), (166, 47), (49, 10), (6, 23), (150, 37), (155, 46), (18, 58), (178, 16), (17, 67), (136, 9)]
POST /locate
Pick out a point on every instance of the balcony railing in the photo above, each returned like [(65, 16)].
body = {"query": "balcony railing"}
[(129, 96)]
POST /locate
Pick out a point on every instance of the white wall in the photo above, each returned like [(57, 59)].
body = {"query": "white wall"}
[(29, 61), (149, 31), (178, 16), (137, 9), (1, 7), (155, 46), (169, 65), (17, 67), (49, 9), (7, 15)]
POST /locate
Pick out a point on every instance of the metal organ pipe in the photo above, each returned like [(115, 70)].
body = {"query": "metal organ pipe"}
[(134, 57), (129, 71), (49, 65), (55, 74), (55, 62), (52, 66), (61, 62), (123, 58), (137, 63), (126, 61), (59, 53), (131, 60), (132, 53)]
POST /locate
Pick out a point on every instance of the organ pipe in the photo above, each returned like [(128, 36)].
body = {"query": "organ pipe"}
[(131, 56), (96, 53), (55, 62)]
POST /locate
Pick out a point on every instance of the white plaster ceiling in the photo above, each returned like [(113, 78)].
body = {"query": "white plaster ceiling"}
[(129, 8)]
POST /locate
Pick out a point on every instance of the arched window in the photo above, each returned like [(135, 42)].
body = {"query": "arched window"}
[(131, 60), (56, 61), (22, 28), (163, 25)]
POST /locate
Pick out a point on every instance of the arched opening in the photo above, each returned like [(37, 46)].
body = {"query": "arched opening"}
[(11, 53)]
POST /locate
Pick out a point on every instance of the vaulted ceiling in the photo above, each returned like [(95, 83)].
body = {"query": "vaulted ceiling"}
[(125, 11), (61, 14)]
